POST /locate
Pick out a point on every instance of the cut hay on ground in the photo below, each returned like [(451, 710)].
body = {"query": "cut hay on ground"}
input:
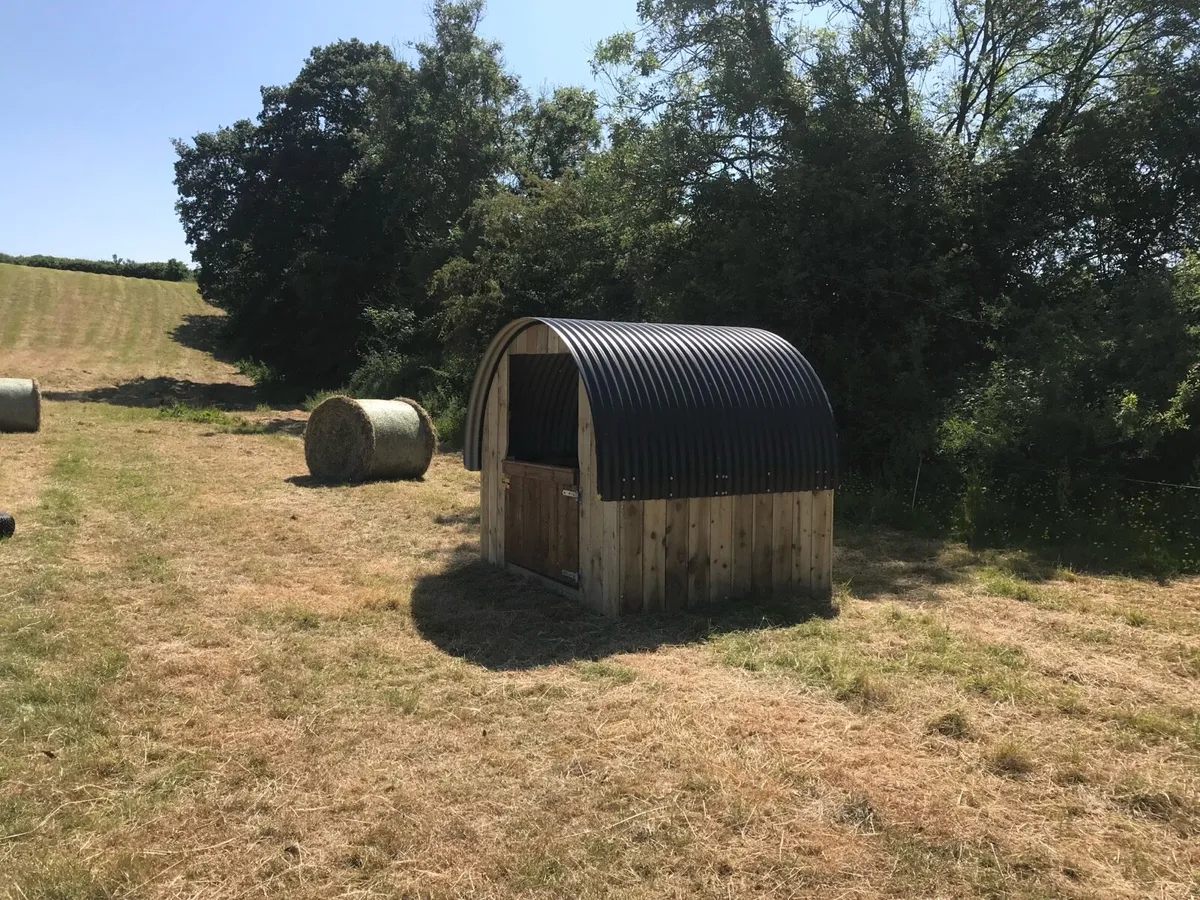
[(20, 405), (350, 440)]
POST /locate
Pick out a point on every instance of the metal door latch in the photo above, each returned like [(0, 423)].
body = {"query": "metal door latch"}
[(572, 577), (573, 493)]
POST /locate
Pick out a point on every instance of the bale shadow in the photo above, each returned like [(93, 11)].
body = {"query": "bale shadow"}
[(162, 390), (204, 332), (311, 482), (280, 425), (267, 426), (502, 621)]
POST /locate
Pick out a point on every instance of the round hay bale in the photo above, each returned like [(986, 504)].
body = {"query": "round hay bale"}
[(20, 404), (350, 440), (8, 526)]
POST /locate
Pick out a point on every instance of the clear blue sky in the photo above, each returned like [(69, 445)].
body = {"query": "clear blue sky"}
[(94, 90)]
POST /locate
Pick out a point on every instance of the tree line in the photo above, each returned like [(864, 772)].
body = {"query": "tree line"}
[(171, 270), (978, 219)]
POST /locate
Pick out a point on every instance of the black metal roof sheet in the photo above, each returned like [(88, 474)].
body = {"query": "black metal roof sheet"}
[(687, 410)]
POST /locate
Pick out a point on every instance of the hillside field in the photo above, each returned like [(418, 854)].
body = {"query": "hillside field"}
[(220, 680)]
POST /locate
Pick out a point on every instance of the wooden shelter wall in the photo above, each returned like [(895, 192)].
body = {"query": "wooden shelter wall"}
[(661, 555)]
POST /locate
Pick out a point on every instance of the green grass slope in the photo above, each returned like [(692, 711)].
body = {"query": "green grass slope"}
[(74, 329)]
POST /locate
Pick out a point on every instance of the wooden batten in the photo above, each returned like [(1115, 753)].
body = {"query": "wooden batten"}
[(654, 558), (720, 545), (822, 544), (783, 520), (611, 518), (699, 566), (591, 520), (764, 553), (802, 562), (742, 580), (675, 556), (631, 556)]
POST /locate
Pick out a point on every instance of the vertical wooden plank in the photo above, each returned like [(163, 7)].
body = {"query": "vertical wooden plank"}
[(783, 520), (569, 519), (820, 526), (486, 504), (675, 575), (829, 544), (631, 556), (591, 523), (699, 554), (743, 544), (554, 344), (501, 433), (541, 338), (610, 517), (802, 564), (720, 540), (654, 546), (486, 471), (514, 507), (527, 341), (551, 516), (821, 540), (764, 536), (489, 477)]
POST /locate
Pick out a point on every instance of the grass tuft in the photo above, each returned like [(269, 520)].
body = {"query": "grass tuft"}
[(1010, 759), (858, 813), (998, 583), (1145, 801), (201, 415), (312, 401), (1135, 618), (953, 724), (606, 671)]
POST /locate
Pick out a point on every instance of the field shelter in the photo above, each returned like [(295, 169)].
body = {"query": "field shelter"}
[(652, 466)]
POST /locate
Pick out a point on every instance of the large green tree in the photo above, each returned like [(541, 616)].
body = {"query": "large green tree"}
[(318, 226)]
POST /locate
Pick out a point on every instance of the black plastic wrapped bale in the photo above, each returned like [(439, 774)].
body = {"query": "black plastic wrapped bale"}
[(8, 526)]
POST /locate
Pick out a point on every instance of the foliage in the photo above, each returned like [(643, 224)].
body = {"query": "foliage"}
[(981, 226), (171, 270)]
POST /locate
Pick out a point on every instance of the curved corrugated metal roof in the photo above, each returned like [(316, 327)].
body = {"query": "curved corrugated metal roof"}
[(687, 410)]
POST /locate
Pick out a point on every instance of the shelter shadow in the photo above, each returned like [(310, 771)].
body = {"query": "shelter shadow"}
[(502, 621)]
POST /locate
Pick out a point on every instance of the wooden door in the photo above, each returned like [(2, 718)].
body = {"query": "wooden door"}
[(541, 519)]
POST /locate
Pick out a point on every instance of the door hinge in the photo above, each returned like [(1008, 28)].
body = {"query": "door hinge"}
[(572, 492), (572, 577)]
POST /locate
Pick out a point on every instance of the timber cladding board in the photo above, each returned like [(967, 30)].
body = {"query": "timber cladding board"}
[(743, 544), (631, 556), (591, 518), (654, 547), (675, 556), (782, 523), (764, 551), (699, 565), (720, 548)]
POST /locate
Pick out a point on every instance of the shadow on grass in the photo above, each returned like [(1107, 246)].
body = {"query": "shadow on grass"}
[(876, 564), (204, 332), (482, 614), (313, 483), (294, 427), (148, 393)]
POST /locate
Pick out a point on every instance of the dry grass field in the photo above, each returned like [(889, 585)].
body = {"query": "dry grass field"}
[(219, 680)]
